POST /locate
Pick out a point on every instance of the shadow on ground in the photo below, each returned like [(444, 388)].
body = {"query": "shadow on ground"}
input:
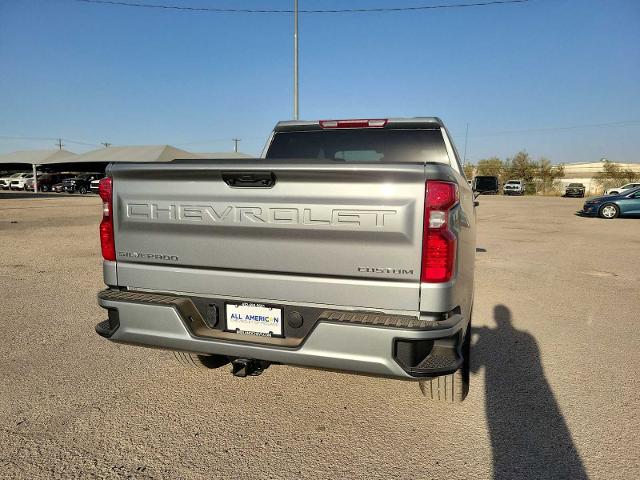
[(529, 436)]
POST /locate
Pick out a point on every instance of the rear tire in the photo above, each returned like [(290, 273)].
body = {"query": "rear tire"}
[(207, 362), (452, 388)]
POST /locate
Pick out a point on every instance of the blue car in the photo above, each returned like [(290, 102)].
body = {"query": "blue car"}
[(612, 206)]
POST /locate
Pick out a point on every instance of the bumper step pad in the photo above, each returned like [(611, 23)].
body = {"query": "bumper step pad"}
[(340, 316), (375, 320)]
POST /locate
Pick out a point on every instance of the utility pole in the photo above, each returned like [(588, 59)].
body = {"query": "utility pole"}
[(60, 144), (295, 61), (105, 144), (235, 144)]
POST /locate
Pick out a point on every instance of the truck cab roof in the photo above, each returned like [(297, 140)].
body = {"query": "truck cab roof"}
[(414, 122)]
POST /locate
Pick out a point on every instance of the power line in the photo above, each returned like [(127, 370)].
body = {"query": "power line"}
[(211, 140), (625, 123), (621, 123), (78, 142), (339, 10)]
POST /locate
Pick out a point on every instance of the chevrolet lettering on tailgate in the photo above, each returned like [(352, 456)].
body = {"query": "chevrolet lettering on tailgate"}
[(163, 212)]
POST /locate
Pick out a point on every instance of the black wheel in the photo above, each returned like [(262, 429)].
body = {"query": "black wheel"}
[(82, 190), (207, 362), (609, 211), (44, 188), (452, 388)]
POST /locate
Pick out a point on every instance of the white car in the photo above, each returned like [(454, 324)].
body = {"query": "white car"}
[(6, 181), (617, 190), (18, 182), (513, 187), (94, 186)]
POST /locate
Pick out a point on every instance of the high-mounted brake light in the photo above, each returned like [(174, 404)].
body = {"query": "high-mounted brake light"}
[(107, 242), (438, 242), (358, 123)]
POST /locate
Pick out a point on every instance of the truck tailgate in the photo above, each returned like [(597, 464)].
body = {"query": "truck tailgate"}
[(349, 228)]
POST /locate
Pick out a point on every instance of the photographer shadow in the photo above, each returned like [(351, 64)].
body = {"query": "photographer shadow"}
[(529, 436)]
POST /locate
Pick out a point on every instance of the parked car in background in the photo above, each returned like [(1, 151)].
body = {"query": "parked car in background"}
[(574, 190), (57, 187), (486, 184), (95, 186), (623, 204), (28, 185), (18, 183), (513, 187), (5, 181), (81, 183), (46, 181), (617, 190)]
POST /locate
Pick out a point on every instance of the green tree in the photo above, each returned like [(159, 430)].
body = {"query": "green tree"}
[(537, 176), (468, 170), (490, 166), (612, 175), (521, 167), (547, 174)]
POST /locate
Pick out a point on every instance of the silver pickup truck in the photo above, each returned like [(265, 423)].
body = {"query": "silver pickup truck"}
[(348, 246)]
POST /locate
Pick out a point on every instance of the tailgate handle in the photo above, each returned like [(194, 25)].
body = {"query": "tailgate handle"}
[(249, 179)]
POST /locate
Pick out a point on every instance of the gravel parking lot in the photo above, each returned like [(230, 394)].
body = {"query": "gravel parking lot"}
[(554, 392)]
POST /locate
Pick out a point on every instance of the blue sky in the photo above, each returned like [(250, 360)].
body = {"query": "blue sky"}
[(95, 73)]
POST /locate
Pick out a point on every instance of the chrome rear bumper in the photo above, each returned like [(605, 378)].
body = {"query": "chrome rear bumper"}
[(336, 345)]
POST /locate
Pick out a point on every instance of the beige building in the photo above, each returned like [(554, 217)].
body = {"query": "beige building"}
[(584, 173)]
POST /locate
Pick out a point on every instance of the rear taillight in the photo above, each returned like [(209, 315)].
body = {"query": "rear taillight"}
[(106, 225), (359, 123), (438, 241)]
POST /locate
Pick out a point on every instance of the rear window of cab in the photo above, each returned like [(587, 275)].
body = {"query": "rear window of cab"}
[(361, 145)]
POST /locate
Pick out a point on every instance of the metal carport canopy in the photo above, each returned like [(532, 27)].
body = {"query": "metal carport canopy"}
[(35, 158), (140, 153), (137, 153)]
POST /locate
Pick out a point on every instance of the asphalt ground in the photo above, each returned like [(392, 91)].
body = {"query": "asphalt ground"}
[(554, 390)]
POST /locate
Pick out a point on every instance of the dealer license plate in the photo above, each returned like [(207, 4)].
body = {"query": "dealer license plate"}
[(254, 319)]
